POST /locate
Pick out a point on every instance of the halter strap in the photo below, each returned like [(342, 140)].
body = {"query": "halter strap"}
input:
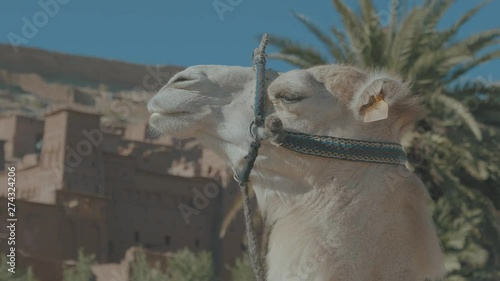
[(344, 149)]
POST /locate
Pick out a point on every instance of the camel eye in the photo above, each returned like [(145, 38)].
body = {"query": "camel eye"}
[(289, 99)]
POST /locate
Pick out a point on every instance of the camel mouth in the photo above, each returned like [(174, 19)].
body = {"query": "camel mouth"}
[(173, 104), (177, 115), (172, 113)]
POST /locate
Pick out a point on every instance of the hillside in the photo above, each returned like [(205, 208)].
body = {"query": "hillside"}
[(34, 80)]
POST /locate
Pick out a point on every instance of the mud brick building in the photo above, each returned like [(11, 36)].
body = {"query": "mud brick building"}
[(83, 184)]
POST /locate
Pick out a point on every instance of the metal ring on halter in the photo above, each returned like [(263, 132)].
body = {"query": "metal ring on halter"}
[(256, 135), (253, 131), (252, 125)]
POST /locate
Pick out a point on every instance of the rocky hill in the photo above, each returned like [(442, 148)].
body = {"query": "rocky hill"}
[(33, 81)]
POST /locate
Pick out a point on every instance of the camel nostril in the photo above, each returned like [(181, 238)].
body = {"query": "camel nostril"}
[(181, 79), (184, 80)]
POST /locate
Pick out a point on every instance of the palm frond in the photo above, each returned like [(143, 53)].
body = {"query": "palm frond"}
[(464, 68), (288, 47), (436, 8), (391, 29), (447, 34), (354, 29), (474, 87), (436, 64), (479, 41), (282, 42), (342, 41), (291, 59), (333, 48), (404, 41), (370, 17), (231, 214), (460, 111)]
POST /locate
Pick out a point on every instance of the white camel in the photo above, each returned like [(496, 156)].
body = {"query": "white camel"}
[(331, 219)]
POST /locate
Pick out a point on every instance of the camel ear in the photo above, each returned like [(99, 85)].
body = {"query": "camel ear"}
[(373, 100)]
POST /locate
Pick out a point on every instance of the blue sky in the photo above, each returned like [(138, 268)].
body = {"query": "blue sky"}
[(189, 32)]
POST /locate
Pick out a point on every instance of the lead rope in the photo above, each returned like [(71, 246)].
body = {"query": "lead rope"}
[(259, 62), (324, 146)]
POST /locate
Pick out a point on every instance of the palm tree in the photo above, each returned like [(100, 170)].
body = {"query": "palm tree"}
[(455, 149)]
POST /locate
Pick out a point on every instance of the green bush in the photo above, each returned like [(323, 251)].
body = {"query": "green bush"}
[(242, 270), (185, 265), (142, 271), (81, 271)]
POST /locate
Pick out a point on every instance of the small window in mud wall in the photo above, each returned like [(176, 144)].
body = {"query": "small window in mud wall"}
[(38, 143)]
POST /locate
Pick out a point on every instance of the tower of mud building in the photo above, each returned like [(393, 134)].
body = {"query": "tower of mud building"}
[(72, 148)]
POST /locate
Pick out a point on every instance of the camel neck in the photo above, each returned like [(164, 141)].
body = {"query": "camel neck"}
[(278, 193)]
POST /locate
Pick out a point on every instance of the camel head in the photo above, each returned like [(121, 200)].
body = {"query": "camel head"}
[(215, 104), (370, 225)]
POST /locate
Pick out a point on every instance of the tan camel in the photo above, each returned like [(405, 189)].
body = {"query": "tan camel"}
[(331, 219)]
